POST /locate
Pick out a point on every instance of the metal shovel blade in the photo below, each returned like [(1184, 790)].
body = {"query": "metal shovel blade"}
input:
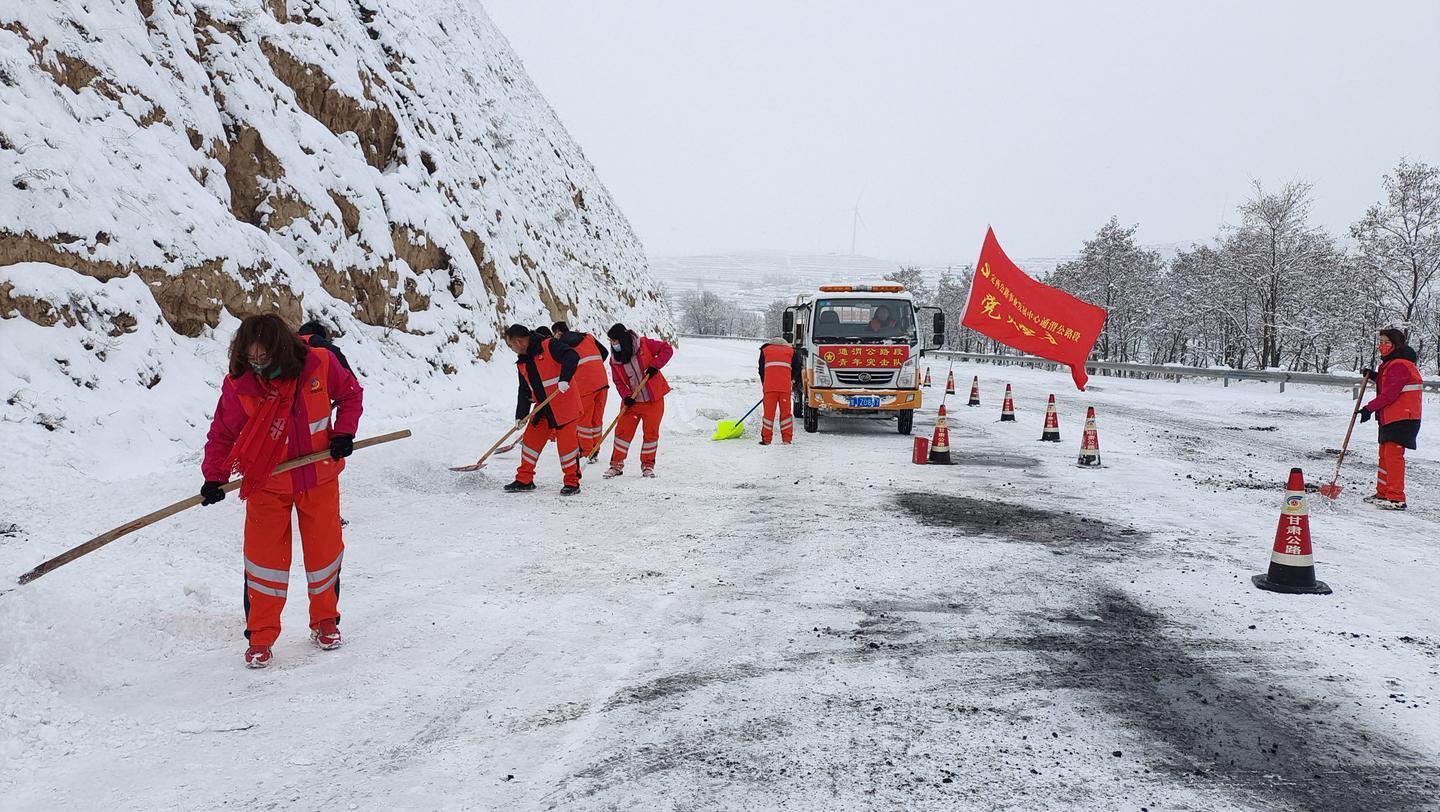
[(1331, 491)]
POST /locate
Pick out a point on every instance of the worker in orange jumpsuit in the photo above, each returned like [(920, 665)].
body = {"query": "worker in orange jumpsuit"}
[(1398, 388), (778, 371), (634, 358), (591, 385), (546, 368), (275, 405)]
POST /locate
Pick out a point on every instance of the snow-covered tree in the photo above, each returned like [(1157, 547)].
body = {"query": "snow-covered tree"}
[(775, 317), (913, 280), (706, 313), (1113, 271), (1399, 242)]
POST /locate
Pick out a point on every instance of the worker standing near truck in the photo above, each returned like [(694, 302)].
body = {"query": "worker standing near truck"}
[(778, 373)]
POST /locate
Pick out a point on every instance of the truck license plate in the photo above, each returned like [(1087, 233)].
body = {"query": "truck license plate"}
[(864, 401)]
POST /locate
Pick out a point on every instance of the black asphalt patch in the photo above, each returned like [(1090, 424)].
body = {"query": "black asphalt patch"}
[(959, 457), (1222, 722), (1061, 531)]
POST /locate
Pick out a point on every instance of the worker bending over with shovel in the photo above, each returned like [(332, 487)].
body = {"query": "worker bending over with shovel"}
[(635, 364), (591, 386), (545, 367), (1398, 388), (275, 406), (778, 371)]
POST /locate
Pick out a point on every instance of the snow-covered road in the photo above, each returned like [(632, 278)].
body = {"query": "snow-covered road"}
[(823, 626)]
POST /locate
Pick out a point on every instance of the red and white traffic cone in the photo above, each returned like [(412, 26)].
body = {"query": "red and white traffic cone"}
[(1292, 566), (940, 445), (1051, 434), (1090, 443), (1007, 408), (927, 378), (974, 392), (950, 383)]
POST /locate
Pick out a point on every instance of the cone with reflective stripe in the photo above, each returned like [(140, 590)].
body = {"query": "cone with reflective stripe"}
[(1292, 566), (927, 378), (940, 445), (1051, 434), (1007, 407), (974, 392), (1089, 443), (950, 383)]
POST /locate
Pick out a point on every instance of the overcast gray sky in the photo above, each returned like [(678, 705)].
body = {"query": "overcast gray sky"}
[(756, 124)]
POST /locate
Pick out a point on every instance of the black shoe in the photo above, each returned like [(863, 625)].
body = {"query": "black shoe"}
[(517, 486), (569, 490)]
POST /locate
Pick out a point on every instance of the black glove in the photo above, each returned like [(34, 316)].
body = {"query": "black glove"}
[(1364, 415), (629, 402), (1367, 372), (341, 446), (210, 492), (652, 371)]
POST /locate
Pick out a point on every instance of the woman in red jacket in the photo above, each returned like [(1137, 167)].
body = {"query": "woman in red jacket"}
[(1398, 388), (634, 358), (275, 405)]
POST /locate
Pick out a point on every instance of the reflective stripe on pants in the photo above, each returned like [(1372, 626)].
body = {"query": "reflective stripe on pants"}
[(592, 417), (650, 414), (1390, 477), (774, 400), (566, 445), (268, 544)]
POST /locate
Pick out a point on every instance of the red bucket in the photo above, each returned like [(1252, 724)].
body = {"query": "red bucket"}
[(922, 451)]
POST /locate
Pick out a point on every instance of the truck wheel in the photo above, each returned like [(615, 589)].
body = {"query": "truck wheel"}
[(905, 421), (812, 419)]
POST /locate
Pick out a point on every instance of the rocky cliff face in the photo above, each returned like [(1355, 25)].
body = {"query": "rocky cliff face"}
[(386, 166)]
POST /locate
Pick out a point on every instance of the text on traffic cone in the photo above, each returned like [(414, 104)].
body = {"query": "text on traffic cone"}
[(1292, 564), (1051, 433), (1090, 442)]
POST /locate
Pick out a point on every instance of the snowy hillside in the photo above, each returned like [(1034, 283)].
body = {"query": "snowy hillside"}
[(383, 165)]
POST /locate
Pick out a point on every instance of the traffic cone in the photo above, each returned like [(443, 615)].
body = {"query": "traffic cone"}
[(1090, 443), (940, 445), (974, 392), (1051, 434), (950, 383), (1007, 408), (1292, 567), (927, 377)]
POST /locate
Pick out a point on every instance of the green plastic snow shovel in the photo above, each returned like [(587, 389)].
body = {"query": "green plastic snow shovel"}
[(731, 429)]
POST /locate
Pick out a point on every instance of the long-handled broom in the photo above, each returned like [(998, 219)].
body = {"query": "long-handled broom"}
[(1332, 490), (131, 526)]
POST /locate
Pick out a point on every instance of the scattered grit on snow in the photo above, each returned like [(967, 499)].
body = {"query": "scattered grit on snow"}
[(385, 166), (822, 626)]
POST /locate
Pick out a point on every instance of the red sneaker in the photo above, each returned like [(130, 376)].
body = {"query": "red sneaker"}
[(257, 656), (326, 635)]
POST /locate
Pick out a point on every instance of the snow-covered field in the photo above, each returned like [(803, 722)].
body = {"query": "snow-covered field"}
[(822, 626)]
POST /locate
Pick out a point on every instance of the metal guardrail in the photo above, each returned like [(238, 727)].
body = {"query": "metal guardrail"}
[(1224, 374), (1177, 372)]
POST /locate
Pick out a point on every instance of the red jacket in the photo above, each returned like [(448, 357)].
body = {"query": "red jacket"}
[(1398, 388), (649, 352), (324, 383)]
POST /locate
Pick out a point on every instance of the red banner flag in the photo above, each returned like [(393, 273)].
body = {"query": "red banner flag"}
[(1019, 312)]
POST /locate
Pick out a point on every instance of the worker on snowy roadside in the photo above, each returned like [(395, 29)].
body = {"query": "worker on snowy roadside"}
[(1398, 388), (545, 367), (275, 405), (591, 385), (779, 369), (633, 359)]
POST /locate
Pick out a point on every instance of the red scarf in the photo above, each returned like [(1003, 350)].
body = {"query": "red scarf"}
[(262, 444)]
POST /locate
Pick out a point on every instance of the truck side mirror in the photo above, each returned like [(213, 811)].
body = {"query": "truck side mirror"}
[(787, 325), (938, 329)]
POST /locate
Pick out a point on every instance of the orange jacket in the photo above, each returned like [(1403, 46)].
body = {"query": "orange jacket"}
[(590, 374), (1398, 389), (323, 383), (541, 370), (777, 362)]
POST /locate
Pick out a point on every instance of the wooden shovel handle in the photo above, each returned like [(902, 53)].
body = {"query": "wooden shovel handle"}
[(1345, 446), (150, 518), (644, 379), (513, 429)]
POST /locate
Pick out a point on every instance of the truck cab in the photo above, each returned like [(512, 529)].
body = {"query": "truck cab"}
[(860, 347)]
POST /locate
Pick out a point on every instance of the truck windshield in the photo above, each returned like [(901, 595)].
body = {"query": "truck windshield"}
[(864, 320)]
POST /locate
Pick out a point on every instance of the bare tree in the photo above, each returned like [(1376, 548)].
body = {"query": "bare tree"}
[(1400, 239)]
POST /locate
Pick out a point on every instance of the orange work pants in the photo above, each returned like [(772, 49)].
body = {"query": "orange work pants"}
[(1390, 477), (648, 412), (267, 557), (775, 399), (592, 418), (536, 436)]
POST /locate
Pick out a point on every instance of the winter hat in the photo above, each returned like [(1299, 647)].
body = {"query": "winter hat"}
[(1396, 336), (617, 332)]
